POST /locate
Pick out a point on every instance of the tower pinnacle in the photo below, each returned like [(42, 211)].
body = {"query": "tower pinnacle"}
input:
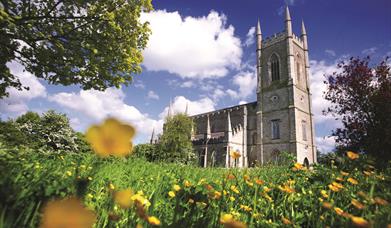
[(287, 14), (303, 31), (288, 22)]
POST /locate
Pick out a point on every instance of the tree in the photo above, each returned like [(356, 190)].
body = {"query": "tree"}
[(175, 143), (360, 95), (96, 44)]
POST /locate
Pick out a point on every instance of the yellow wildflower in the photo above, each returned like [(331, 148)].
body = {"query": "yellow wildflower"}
[(359, 222), (234, 189), (176, 187), (89, 195), (225, 218), (298, 166), (324, 194), (351, 155), (171, 194), (249, 183), (338, 185), (245, 208), (232, 198), (153, 221), (286, 189), (267, 197), (344, 173), (89, 178), (333, 188), (229, 222), (246, 177), (352, 181), (340, 179), (235, 154), (124, 198), (217, 195), (357, 204), (327, 205), (69, 173), (111, 186), (69, 212), (338, 210), (187, 183), (111, 138), (266, 189), (286, 221), (380, 201)]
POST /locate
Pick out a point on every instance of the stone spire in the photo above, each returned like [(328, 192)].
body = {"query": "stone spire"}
[(304, 36), (169, 112), (208, 132), (259, 36), (259, 52), (229, 122), (288, 22), (152, 136), (187, 108)]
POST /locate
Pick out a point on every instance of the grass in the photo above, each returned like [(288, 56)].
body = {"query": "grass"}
[(268, 196)]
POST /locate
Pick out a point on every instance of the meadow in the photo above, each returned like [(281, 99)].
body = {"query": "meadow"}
[(348, 191)]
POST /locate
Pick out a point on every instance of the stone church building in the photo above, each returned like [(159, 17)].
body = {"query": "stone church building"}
[(280, 120)]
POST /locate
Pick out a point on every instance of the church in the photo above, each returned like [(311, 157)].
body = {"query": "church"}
[(280, 120)]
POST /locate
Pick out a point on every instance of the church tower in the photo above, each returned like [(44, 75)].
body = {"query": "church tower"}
[(284, 115)]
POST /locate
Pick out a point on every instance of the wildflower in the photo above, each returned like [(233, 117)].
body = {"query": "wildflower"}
[(217, 195), (209, 187), (321, 217), (327, 205), (232, 198), (357, 204), (187, 183), (286, 221), (380, 201), (286, 189), (338, 185), (324, 194), (235, 154), (245, 208), (246, 177), (176, 188), (267, 197), (352, 181), (249, 183), (344, 173), (111, 186), (153, 221), (111, 138), (230, 176), (69, 173), (191, 201), (359, 222), (298, 166), (333, 188), (69, 212), (89, 178), (89, 195), (340, 179), (266, 189), (362, 194), (351, 155), (234, 189), (171, 194), (367, 173), (228, 221), (124, 198), (259, 182), (338, 210)]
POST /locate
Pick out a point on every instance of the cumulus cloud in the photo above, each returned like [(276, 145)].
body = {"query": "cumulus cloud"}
[(16, 102), (250, 37), (152, 95), (325, 144), (330, 52), (98, 105), (191, 47), (369, 51), (193, 107), (247, 83)]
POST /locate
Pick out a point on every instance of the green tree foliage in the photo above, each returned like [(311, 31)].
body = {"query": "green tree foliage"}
[(175, 143), (360, 95), (148, 151), (51, 132), (96, 44)]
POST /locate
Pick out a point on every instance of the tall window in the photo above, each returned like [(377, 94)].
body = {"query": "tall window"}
[(298, 68), (275, 129), (304, 129), (275, 67)]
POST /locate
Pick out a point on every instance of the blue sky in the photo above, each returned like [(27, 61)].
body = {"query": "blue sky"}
[(202, 53)]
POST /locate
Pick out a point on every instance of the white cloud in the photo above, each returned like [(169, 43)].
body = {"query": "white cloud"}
[(325, 144), (98, 105), (152, 95), (16, 102), (250, 37), (194, 107), (191, 47), (187, 84), (247, 83), (242, 102), (369, 51), (330, 52)]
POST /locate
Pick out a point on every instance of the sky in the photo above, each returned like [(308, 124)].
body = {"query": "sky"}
[(202, 54)]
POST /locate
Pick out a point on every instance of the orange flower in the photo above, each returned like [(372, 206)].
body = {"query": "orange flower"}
[(297, 166), (357, 204), (235, 154), (229, 222), (67, 213), (327, 205), (351, 155), (153, 221), (111, 138), (359, 222), (230, 176), (333, 188), (286, 189), (324, 194), (259, 182), (124, 198), (352, 181), (344, 173), (338, 210), (380, 201), (286, 221)]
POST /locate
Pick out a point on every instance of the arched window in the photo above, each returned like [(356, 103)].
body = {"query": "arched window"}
[(275, 67), (298, 68)]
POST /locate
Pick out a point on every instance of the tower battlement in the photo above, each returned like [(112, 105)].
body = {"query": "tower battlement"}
[(280, 36)]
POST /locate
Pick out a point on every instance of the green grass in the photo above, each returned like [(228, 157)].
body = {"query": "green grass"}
[(29, 179)]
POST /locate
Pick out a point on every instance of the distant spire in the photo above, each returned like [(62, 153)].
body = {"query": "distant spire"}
[(187, 108), (208, 132), (287, 14), (259, 32), (229, 122), (169, 109), (303, 30), (153, 136)]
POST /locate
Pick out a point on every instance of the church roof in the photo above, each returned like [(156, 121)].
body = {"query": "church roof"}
[(225, 109)]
